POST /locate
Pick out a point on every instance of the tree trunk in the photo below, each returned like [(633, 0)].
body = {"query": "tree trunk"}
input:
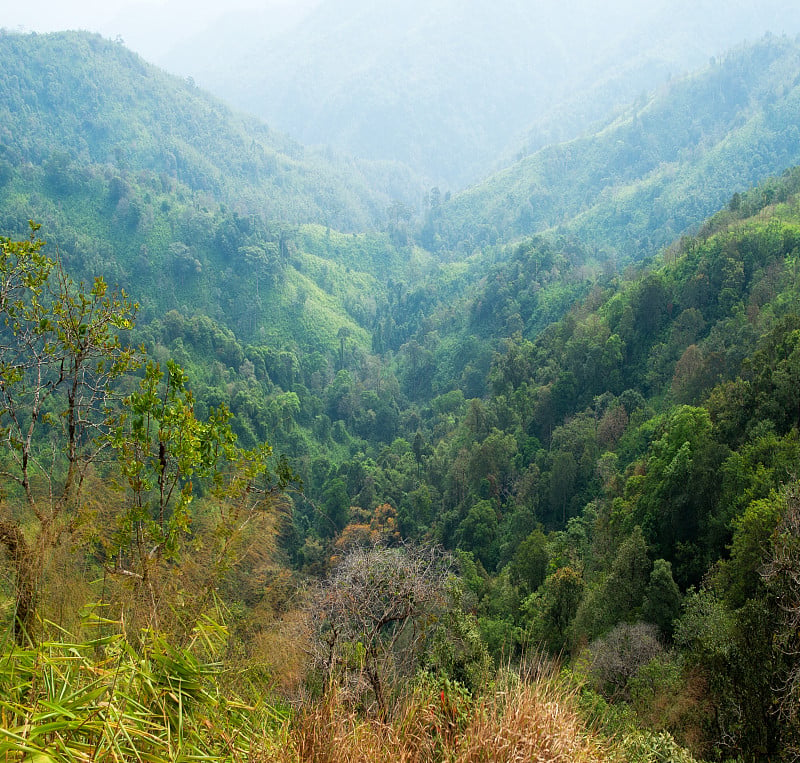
[(19, 553), (374, 678)]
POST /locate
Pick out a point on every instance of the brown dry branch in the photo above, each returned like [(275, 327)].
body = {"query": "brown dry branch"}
[(373, 616)]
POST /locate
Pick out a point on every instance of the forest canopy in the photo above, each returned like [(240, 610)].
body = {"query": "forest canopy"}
[(296, 453)]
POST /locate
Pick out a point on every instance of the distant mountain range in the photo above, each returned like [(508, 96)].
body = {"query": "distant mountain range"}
[(453, 89)]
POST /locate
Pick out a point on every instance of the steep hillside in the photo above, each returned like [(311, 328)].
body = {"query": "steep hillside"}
[(651, 434), (78, 99), (651, 175), (144, 178)]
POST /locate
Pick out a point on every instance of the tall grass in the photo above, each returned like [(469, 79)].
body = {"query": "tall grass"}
[(109, 700), (524, 721)]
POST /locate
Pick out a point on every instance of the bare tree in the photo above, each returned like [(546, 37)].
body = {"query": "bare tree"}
[(373, 615), (617, 657)]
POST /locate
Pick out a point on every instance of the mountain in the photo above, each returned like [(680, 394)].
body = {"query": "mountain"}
[(448, 87), (652, 174), (608, 455), (103, 105), (232, 236), (651, 433), (141, 176), (212, 34)]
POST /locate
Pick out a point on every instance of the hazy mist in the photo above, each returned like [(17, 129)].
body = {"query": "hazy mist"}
[(451, 88)]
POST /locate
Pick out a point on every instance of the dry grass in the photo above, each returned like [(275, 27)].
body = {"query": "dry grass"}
[(526, 722), (535, 722), (108, 700), (282, 647)]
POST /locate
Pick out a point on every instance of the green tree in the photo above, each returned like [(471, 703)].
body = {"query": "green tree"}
[(478, 533), (342, 335), (680, 491), (551, 610), (781, 571), (335, 508), (421, 450), (60, 357), (662, 599), (528, 568), (163, 449), (625, 585), (739, 576), (562, 483), (619, 597), (736, 654)]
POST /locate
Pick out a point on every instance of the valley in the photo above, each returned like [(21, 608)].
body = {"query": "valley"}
[(346, 462)]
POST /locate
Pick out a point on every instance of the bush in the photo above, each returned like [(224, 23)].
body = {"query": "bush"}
[(647, 747)]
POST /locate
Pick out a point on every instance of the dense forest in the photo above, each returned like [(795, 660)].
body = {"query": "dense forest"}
[(303, 460)]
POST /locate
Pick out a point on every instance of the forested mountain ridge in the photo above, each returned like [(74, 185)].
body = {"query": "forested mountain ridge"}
[(651, 434), (143, 177), (655, 172), (77, 98)]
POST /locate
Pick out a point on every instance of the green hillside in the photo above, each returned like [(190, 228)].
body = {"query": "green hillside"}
[(650, 434), (654, 173), (164, 190), (390, 483), (73, 99)]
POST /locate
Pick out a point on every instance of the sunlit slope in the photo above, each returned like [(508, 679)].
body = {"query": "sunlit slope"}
[(145, 179)]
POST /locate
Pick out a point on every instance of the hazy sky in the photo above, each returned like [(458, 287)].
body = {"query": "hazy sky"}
[(150, 27), (52, 15)]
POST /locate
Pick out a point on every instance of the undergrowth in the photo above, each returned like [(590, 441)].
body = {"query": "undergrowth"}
[(111, 700), (108, 699)]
